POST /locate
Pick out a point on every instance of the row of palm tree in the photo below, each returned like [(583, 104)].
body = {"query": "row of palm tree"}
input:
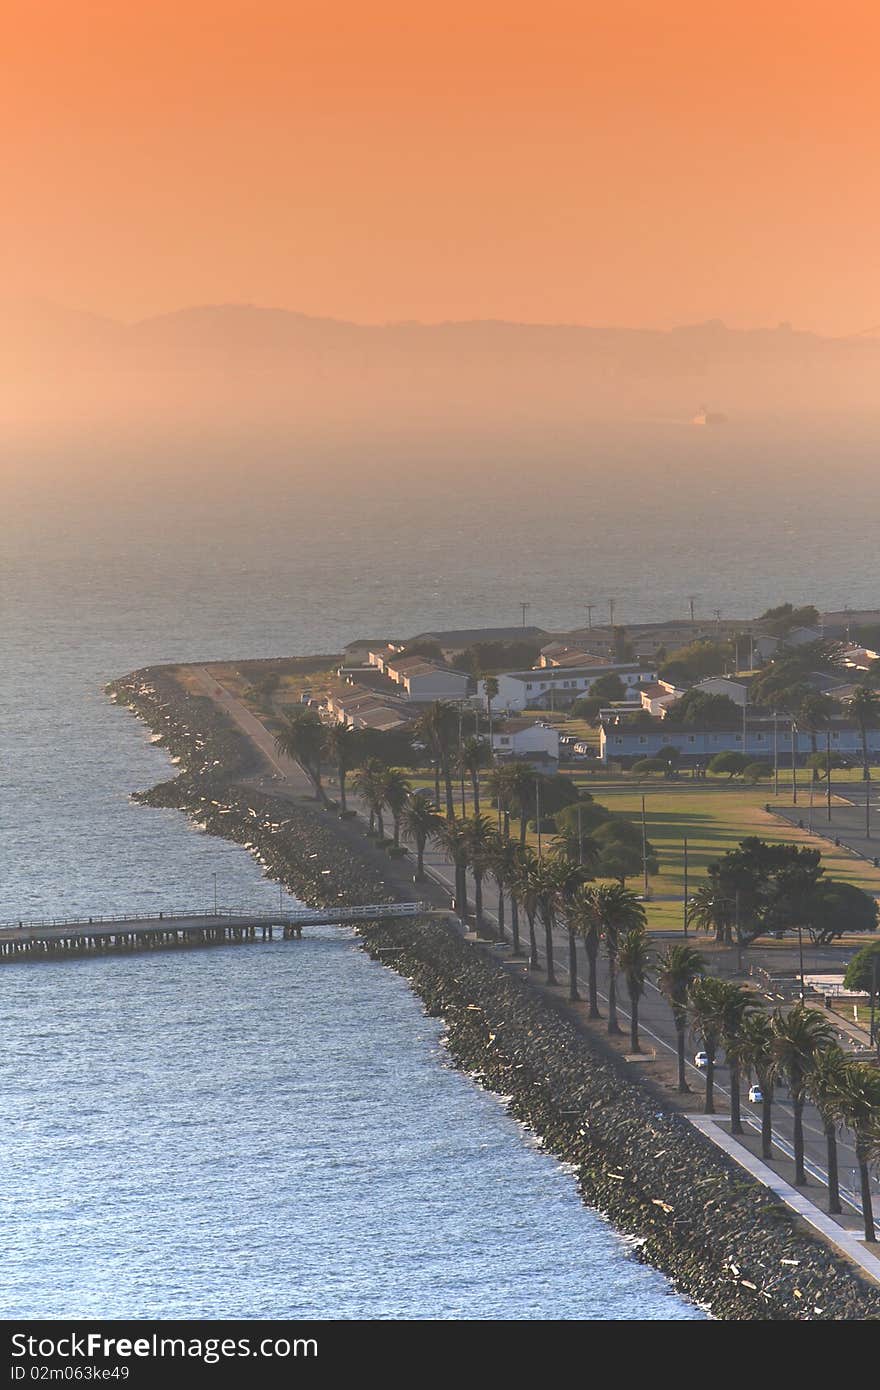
[(797, 1047)]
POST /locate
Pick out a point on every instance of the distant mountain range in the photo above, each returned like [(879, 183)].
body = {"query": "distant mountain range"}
[(241, 359)]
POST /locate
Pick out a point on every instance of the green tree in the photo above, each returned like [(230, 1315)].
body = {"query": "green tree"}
[(499, 784), (620, 911), (825, 1081), (797, 1037), (525, 886), (737, 1003), (369, 783), (712, 910), (862, 972), (438, 726), (756, 1055), (699, 709), (865, 710), (634, 958), (857, 1105), (730, 762), (522, 792), (453, 839), (473, 756), (706, 1004), (479, 841), (301, 738), (420, 821), (396, 790), (586, 915), (344, 748), (608, 688), (676, 972), (756, 772)]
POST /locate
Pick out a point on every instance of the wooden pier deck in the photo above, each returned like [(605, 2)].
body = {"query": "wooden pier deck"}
[(63, 937)]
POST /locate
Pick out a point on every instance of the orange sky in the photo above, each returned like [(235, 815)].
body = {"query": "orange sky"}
[(624, 162)]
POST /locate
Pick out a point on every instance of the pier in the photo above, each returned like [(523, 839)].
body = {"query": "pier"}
[(59, 938)]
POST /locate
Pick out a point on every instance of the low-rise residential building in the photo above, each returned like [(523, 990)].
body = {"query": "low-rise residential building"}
[(658, 696), (425, 681), (524, 738), (555, 687), (762, 739), (458, 639), (380, 655), (736, 688), (360, 708)]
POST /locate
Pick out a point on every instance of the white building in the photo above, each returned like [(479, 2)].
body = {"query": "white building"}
[(736, 689), (426, 681), (557, 686), (522, 738), (657, 696)]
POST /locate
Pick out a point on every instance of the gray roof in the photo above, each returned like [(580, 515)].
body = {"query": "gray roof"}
[(468, 636)]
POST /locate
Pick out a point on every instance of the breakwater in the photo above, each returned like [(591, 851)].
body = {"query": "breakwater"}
[(718, 1234)]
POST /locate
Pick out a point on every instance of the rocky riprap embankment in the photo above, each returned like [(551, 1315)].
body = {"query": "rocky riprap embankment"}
[(693, 1212)]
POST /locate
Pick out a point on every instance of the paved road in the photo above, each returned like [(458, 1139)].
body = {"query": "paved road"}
[(656, 1023)]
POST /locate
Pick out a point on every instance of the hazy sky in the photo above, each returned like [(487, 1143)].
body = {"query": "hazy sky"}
[(629, 161)]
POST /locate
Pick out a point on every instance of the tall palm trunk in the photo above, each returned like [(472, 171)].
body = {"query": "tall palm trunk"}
[(501, 933), (436, 779), (867, 1200), (534, 962), (447, 782), (834, 1207), (420, 857), (514, 924), (800, 1172), (572, 965), (634, 1024), (592, 950), (475, 783), (381, 823), (735, 1110), (613, 1025), (766, 1122), (397, 832), (680, 1026), (548, 947), (478, 900), (709, 1105), (341, 775)]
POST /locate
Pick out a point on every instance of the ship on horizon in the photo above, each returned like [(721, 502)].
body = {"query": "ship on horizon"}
[(704, 416)]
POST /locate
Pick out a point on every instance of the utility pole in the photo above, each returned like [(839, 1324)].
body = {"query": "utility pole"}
[(215, 894), (538, 811), (775, 754), (611, 612), (461, 757), (580, 835), (644, 847), (868, 803), (525, 608), (685, 914), (794, 741), (873, 1026), (692, 598), (828, 771), (589, 609)]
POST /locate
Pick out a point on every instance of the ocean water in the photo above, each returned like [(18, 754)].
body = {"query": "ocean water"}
[(274, 1130)]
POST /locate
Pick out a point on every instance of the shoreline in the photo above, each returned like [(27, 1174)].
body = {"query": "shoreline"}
[(717, 1234)]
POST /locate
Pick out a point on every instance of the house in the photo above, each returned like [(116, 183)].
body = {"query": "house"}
[(564, 654), (736, 688), (360, 708), (526, 738), (380, 655), (762, 740), (357, 652), (802, 636), (657, 696), (425, 681), (555, 687)]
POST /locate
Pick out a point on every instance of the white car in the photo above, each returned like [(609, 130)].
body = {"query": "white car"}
[(756, 1095), (701, 1060)]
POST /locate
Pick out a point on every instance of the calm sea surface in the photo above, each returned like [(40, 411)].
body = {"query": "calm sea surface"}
[(207, 1133)]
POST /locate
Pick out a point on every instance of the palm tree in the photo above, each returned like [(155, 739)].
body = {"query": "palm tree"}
[(586, 915), (676, 972), (525, 892), (756, 1055), (826, 1080), (711, 911), (522, 787), (343, 746), (865, 710), (369, 783), (584, 851), (706, 1012), (420, 820), (633, 959), (452, 837), (502, 861), (397, 789), (569, 881), (438, 726), (490, 686), (301, 738), (500, 787), (473, 756), (620, 911), (478, 838), (857, 1105), (797, 1037), (556, 880), (814, 714), (737, 1004)]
